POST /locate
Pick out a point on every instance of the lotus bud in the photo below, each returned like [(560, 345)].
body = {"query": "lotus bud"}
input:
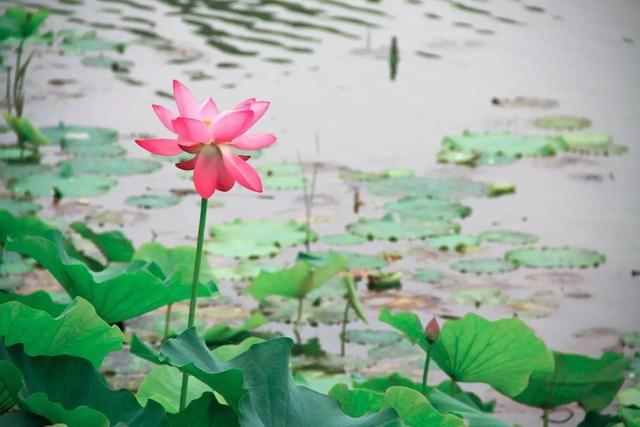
[(432, 331)]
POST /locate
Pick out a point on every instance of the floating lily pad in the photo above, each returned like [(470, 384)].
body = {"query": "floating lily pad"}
[(477, 297), (429, 275), (428, 209), (95, 150), (355, 261), (586, 140), (343, 239), (101, 61), (359, 176), (457, 157), (508, 237), (506, 144), (285, 182), (15, 154), (440, 187), (254, 239), (151, 201), (68, 186), (454, 242), (532, 307), (555, 258), (393, 229), (243, 271), (72, 134), (114, 166), (77, 42), (561, 122), (402, 348), (484, 266), (13, 171), (280, 169), (372, 337), (19, 207), (501, 188), (14, 264)]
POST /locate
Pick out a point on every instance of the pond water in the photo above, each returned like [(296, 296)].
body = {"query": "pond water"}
[(325, 67)]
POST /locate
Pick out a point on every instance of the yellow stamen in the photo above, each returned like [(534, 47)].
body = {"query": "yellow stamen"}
[(207, 122)]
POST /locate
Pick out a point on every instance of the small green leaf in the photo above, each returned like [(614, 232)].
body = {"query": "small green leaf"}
[(298, 281), (407, 323), (352, 296), (162, 384)]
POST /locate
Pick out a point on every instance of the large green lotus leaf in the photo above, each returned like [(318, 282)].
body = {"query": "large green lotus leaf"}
[(114, 245), (355, 261), (19, 207), (413, 408), (222, 332), (162, 384), (116, 294), (258, 384), (506, 144), (298, 281), (394, 229), (76, 135), (150, 201), (77, 331), (68, 390), (69, 186), (39, 300), (205, 411), (173, 260), (407, 323), (555, 258), (15, 226), (562, 122), (22, 419), (110, 166), (508, 237), (25, 22), (428, 209), (502, 354), (484, 266), (441, 401), (439, 188), (593, 383)]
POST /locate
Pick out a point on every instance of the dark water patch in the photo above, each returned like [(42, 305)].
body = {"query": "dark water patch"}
[(196, 75), (432, 16), (354, 8), (428, 55), (471, 9), (508, 20), (462, 24), (146, 34), (534, 8), (228, 65)]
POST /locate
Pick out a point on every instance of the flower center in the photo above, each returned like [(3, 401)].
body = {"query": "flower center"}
[(207, 121)]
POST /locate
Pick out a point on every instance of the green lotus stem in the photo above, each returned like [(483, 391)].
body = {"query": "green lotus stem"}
[(345, 320), (545, 417), (296, 325), (425, 371), (8, 94), (16, 77), (194, 290), (167, 322)]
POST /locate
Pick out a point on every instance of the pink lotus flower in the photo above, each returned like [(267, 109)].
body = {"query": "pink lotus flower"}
[(210, 135)]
